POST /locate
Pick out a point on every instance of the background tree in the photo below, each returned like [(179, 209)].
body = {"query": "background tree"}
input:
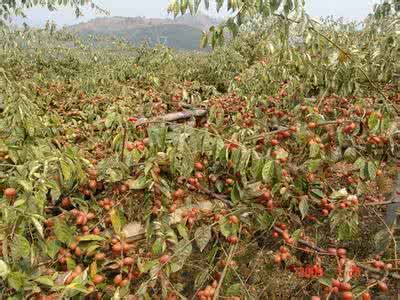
[(387, 8), (239, 11), (9, 8)]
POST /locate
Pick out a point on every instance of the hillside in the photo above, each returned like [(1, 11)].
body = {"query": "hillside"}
[(180, 33)]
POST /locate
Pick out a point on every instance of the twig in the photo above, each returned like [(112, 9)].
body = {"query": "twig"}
[(391, 235), (216, 294), (123, 144), (175, 116), (215, 195), (382, 203)]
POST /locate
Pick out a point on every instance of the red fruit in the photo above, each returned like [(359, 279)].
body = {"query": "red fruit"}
[(199, 175), (193, 181), (347, 296), (73, 246), (232, 239), (80, 220), (383, 286), (93, 184), (335, 283), (266, 195), (124, 282), (127, 247), (92, 173), (65, 202), (100, 256), (98, 279), (312, 125), (275, 234), (389, 267), (198, 166), (123, 188), (233, 220), (130, 146), (285, 235), (285, 256), (128, 261), (283, 249), (10, 193), (229, 181), (378, 264), (118, 279), (366, 296), (132, 119), (277, 259), (289, 241), (341, 252), (282, 226), (325, 212), (345, 286), (117, 248), (332, 251), (274, 142), (78, 252), (90, 216), (164, 259), (178, 194)]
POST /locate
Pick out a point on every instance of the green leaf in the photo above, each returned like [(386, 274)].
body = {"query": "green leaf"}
[(304, 207), (268, 171), (264, 220), (137, 184), (204, 39), (182, 250), (202, 236), (52, 247), (183, 231), (4, 270), (20, 247), (219, 4), (38, 226), (66, 170), (372, 170), (116, 220), (360, 163), (45, 280), (350, 154), (313, 165), (16, 280), (314, 150), (339, 194), (234, 290), (225, 228), (26, 184), (373, 121), (91, 237), (235, 194), (325, 281), (148, 266), (63, 232), (157, 247)]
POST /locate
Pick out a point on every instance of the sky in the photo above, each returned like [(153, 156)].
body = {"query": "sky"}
[(348, 9)]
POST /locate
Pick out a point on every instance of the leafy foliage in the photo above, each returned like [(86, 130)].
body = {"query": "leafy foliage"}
[(102, 196)]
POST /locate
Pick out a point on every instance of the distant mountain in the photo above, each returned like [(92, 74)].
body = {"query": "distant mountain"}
[(183, 32)]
